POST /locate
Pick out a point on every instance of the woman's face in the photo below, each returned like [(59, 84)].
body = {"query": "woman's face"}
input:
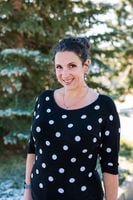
[(70, 70)]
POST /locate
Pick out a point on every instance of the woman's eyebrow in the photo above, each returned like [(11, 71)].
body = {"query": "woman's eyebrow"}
[(71, 63), (57, 64)]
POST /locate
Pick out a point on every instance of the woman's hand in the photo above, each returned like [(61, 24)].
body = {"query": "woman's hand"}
[(27, 194)]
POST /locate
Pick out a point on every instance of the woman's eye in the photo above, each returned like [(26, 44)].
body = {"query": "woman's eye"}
[(58, 67), (72, 65)]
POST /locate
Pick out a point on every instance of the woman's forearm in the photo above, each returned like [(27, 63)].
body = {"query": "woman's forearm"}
[(110, 186), (29, 165)]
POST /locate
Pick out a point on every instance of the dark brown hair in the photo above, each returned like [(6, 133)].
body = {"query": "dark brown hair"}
[(79, 45)]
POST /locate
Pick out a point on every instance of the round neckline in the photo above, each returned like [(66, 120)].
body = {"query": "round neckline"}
[(76, 109)]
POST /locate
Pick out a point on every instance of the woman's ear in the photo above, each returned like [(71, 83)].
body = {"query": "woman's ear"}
[(86, 64)]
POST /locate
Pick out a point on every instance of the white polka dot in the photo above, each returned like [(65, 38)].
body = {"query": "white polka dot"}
[(36, 99), (83, 116), (37, 171), (107, 133), (83, 188), (119, 130), (89, 127), (40, 185), (101, 145), (51, 122), (34, 139), (36, 157), (90, 156), (38, 129), (37, 116), (108, 150), (54, 156), (40, 151), (94, 140), (100, 158), (72, 180), (43, 165), (50, 178), (100, 120), (61, 170), (31, 175), (77, 138), (38, 106), (47, 98), (110, 164), (111, 117), (73, 160), (65, 148), (64, 116), (100, 134), (84, 151), (61, 190), (90, 174), (48, 110), (97, 107), (47, 143), (70, 125), (82, 169), (34, 113), (57, 134)]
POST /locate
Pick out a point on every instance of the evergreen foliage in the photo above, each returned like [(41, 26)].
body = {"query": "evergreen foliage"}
[(29, 30)]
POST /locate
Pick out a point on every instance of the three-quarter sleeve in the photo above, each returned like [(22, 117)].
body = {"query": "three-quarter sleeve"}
[(31, 144), (109, 149)]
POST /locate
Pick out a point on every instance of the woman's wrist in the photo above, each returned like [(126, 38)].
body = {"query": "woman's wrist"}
[(27, 186)]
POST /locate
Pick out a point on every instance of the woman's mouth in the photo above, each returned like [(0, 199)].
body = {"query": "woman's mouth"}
[(68, 82)]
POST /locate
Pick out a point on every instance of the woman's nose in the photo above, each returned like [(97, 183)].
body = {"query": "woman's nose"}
[(65, 72)]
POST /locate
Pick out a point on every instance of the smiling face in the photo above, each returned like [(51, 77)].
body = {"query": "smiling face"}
[(70, 70)]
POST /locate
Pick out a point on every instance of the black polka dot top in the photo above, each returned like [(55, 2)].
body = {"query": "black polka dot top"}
[(67, 144)]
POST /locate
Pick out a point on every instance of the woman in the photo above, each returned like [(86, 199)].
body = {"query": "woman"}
[(72, 126)]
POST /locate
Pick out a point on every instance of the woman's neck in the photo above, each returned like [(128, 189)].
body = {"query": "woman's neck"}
[(72, 98)]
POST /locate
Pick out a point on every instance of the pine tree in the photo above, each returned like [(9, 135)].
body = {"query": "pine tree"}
[(29, 30)]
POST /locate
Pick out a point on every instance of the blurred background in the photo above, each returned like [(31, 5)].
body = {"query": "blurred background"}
[(29, 29)]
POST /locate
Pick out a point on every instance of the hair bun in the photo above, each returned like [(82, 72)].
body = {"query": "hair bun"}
[(82, 41)]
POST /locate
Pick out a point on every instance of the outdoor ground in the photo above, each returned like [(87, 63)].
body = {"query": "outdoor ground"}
[(12, 168), (12, 164)]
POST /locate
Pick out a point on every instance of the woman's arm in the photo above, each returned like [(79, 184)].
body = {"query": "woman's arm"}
[(29, 165), (110, 186)]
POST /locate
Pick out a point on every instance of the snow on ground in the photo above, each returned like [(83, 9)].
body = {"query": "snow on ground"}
[(7, 192)]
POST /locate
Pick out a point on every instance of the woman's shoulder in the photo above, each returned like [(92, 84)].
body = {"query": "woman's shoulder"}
[(45, 94), (107, 102), (106, 98)]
